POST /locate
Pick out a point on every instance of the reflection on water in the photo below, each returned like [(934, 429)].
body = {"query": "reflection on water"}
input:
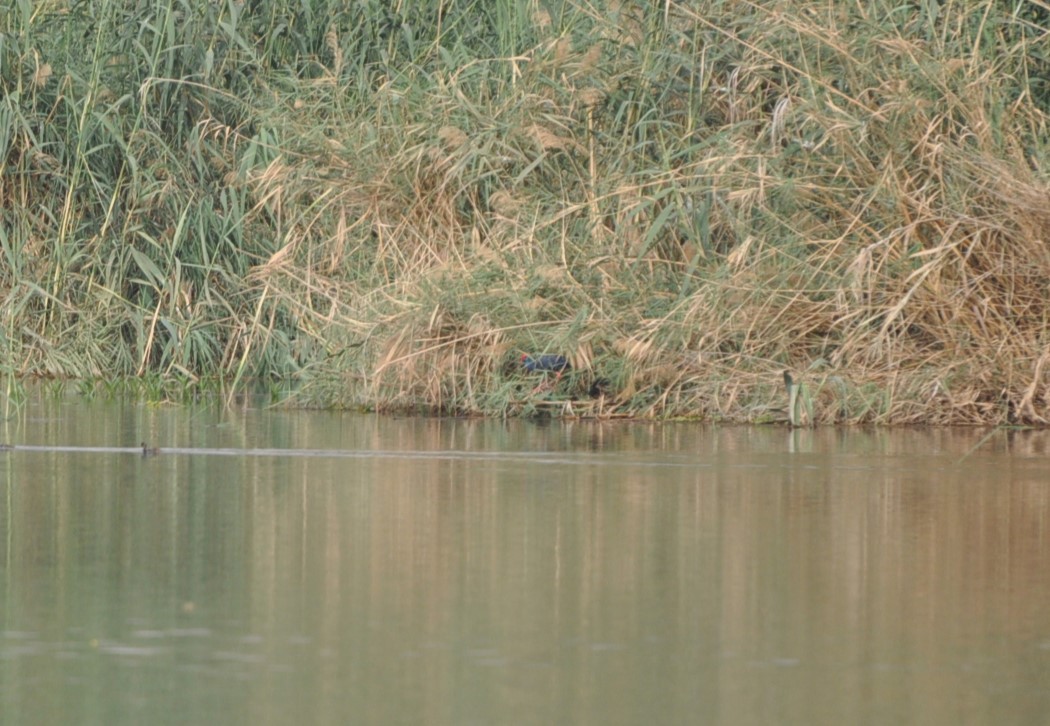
[(487, 572)]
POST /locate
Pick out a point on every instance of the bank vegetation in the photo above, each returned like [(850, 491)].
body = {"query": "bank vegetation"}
[(387, 204)]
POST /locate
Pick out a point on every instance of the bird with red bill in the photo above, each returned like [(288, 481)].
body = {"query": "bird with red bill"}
[(545, 363)]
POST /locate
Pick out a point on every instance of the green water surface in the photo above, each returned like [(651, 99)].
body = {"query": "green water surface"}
[(475, 572)]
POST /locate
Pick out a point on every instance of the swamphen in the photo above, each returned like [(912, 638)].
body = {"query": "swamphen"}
[(547, 363)]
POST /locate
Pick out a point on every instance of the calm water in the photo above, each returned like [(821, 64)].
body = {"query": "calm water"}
[(465, 572)]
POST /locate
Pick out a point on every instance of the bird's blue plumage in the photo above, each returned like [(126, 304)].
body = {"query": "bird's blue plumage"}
[(548, 362)]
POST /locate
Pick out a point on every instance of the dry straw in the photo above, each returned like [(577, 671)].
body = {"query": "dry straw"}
[(684, 199)]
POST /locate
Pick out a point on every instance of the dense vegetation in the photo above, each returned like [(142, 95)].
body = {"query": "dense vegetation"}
[(388, 203)]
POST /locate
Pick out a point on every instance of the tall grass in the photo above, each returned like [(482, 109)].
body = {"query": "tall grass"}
[(391, 202)]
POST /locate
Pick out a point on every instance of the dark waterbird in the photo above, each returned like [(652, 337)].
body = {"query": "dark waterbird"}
[(149, 450), (546, 362)]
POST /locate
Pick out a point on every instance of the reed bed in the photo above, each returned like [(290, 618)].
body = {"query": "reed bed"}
[(388, 204)]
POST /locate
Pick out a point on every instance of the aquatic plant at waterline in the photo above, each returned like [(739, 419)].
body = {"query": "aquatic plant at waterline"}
[(391, 204)]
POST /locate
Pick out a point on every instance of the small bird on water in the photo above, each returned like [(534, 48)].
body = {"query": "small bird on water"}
[(149, 450)]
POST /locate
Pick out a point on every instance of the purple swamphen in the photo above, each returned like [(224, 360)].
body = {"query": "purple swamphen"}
[(546, 363)]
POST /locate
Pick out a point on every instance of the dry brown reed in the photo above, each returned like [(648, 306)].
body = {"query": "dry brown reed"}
[(684, 199), (861, 210)]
